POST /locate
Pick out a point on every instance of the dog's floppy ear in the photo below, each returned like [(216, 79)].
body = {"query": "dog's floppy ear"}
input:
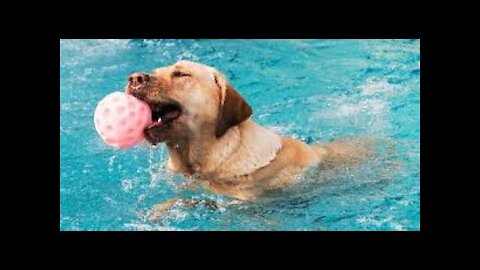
[(233, 107)]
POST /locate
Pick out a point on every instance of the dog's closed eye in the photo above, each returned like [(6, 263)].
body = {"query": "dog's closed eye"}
[(177, 73)]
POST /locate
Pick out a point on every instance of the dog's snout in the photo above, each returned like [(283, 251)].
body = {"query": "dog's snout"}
[(137, 79)]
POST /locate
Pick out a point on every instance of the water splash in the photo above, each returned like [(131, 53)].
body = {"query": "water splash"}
[(111, 160), (157, 164)]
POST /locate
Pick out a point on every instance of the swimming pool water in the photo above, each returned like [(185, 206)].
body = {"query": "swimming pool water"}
[(313, 90)]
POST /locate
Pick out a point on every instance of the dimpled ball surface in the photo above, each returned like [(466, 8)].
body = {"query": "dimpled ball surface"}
[(120, 119)]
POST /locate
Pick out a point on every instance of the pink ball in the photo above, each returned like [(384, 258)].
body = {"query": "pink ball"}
[(120, 119)]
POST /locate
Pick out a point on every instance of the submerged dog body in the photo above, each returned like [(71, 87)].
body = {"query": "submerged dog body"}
[(210, 138)]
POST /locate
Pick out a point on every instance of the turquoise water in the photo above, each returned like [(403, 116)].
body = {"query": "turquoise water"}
[(313, 90)]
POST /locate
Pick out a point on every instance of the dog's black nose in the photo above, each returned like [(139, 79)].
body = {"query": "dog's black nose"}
[(137, 79)]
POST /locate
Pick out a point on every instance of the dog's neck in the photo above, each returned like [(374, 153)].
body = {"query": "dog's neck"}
[(242, 150)]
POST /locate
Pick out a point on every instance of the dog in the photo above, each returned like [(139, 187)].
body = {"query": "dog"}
[(206, 126)]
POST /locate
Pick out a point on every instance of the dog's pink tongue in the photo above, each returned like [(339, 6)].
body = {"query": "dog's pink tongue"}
[(156, 123)]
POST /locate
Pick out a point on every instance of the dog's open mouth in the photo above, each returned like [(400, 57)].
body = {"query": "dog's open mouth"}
[(164, 113)]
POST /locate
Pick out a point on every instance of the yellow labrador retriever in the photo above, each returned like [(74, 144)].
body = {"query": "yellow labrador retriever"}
[(205, 124)]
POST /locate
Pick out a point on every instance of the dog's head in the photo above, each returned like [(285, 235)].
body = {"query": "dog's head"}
[(190, 99)]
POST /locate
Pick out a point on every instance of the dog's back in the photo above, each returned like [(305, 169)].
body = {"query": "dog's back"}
[(296, 157), (348, 151)]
